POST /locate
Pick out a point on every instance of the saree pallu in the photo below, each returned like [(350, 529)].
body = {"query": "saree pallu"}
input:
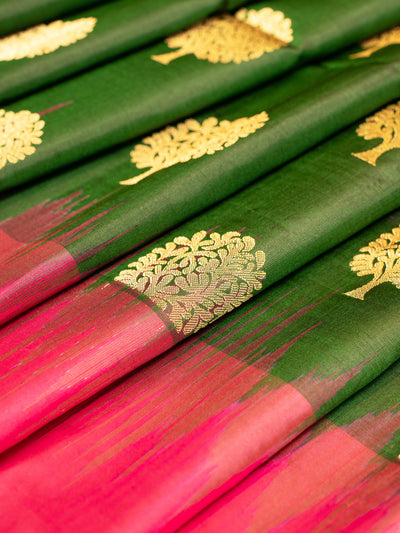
[(136, 94), (97, 212), (341, 475), (79, 342), (157, 448)]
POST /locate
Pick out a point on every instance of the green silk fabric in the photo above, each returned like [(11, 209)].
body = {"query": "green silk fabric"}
[(121, 27), (160, 385), (304, 109), (134, 95)]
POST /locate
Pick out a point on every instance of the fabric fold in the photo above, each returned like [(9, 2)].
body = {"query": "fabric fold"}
[(136, 94), (238, 367), (103, 209), (81, 341), (115, 28), (162, 445), (15, 16), (341, 475)]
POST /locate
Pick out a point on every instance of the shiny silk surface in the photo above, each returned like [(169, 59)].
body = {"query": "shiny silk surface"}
[(121, 100), (208, 413), (353, 484), (236, 365), (69, 327), (108, 207), (121, 27)]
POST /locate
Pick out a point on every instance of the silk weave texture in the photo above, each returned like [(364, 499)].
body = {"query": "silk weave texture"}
[(200, 266)]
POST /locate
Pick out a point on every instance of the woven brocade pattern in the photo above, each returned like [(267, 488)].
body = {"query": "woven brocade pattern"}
[(199, 266)]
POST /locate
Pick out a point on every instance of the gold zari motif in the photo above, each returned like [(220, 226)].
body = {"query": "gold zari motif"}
[(190, 140), (381, 259), (378, 42), (195, 281), (226, 38), (19, 132), (45, 38), (383, 125)]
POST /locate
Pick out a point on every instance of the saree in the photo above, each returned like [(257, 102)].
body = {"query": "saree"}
[(246, 324)]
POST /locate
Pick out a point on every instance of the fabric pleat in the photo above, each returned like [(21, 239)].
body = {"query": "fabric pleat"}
[(79, 342), (162, 445), (16, 16), (95, 213), (114, 28), (341, 475), (199, 266), (136, 94)]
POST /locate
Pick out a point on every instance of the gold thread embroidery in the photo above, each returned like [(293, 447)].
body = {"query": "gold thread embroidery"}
[(383, 125), (190, 140), (195, 281), (45, 38), (226, 38), (381, 260), (378, 42), (19, 132)]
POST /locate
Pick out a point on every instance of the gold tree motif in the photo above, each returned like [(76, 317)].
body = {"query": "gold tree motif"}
[(19, 132), (195, 281), (190, 140), (45, 38), (381, 259), (372, 45), (226, 38), (383, 125)]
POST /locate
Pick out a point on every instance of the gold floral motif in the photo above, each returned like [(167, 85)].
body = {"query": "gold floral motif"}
[(45, 38), (381, 259), (195, 281), (19, 132), (190, 140), (378, 42), (226, 38), (383, 125)]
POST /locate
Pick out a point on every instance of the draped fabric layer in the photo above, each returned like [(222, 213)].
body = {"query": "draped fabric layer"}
[(121, 100), (353, 484), (199, 266), (120, 27), (205, 415), (16, 16), (60, 334), (85, 218)]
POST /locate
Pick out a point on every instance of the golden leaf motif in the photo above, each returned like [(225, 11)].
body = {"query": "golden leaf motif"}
[(195, 281), (383, 125), (45, 38), (381, 259), (19, 132), (372, 45), (190, 140), (226, 38)]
